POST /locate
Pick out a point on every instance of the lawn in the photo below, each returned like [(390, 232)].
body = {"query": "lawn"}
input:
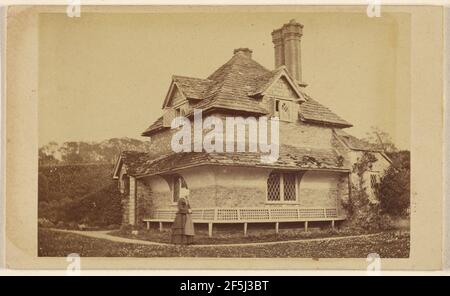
[(388, 245), (237, 237)]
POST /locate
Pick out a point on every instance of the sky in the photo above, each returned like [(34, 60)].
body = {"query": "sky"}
[(105, 75)]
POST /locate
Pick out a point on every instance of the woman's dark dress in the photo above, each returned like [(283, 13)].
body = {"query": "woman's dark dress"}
[(179, 236)]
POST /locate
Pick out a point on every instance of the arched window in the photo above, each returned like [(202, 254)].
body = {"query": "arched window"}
[(177, 184), (282, 187)]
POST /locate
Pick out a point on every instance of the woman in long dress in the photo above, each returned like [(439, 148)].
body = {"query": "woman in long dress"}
[(183, 227)]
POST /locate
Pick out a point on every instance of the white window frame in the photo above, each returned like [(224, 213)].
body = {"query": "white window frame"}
[(173, 181), (181, 108), (282, 197)]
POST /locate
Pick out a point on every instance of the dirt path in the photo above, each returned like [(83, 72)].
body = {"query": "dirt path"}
[(104, 235)]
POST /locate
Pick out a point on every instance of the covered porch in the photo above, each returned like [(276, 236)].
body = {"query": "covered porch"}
[(244, 216)]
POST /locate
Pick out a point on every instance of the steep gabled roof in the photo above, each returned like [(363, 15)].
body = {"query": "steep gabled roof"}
[(235, 86), (264, 82), (190, 88)]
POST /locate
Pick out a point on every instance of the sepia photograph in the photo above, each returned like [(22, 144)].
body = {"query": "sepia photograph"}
[(221, 137), (154, 143)]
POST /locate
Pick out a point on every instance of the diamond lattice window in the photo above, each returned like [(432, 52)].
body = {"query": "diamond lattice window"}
[(273, 187), (289, 187), (282, 187)]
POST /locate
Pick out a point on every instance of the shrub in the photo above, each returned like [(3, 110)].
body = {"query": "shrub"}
[(42, 222), (126, 228), (61, 225), (392, 194), (100, 208), (362, 213), (394, 188)]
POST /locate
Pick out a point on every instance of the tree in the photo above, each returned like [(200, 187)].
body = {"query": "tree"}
[(42, 187), (394, 191), (70, 152), (381, 138)]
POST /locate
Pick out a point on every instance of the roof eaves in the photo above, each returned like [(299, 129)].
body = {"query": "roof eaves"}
[(331, 123)]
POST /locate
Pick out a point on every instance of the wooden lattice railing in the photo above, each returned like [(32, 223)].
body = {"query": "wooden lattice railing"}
[(251, 214)]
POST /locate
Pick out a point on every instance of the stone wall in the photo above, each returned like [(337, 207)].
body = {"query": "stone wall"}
[(241, 187), (319, 189), (160, 143), (229, 187), (295, 133), (303, 135)]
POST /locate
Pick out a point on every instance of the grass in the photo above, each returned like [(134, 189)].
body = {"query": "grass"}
[(391, 244), (236, 236)]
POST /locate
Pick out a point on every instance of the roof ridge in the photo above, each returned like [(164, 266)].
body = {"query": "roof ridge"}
[(174, 76)]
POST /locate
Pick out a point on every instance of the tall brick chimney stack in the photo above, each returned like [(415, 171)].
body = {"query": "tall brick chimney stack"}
[(286, 41)]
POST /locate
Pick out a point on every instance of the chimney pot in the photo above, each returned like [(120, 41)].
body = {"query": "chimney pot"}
[(287, 47), (243, 51)]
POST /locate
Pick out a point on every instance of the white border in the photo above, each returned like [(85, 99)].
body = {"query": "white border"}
[(446, 139), (227, 2), (2, 133)]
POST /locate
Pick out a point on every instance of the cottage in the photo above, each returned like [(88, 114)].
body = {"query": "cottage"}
[(308, 181)]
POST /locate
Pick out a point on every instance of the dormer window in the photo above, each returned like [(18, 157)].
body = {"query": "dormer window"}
[(284, 110), (277, 107)]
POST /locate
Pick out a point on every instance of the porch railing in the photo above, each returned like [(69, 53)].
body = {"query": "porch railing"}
[(251, 214)]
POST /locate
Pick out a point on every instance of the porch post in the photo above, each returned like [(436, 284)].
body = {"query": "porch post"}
[(332, 224), (148, 224), (160, 226), (306, 226), (277, 227), (210, 229), (245, 228)]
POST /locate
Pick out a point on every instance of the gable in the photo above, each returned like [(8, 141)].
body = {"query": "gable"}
[(118, 168), (282, 88), (176, 97)]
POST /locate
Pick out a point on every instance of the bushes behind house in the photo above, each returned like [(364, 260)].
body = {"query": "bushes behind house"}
[(71, 196), (392, 195)]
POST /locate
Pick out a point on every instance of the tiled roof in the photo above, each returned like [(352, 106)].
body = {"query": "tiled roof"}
[(234, 105), (236, 78), (290, 158), (233, 86), (264, 80), (354, 143), (233, 82), (192, 88), (155, 126), (313, 111)]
